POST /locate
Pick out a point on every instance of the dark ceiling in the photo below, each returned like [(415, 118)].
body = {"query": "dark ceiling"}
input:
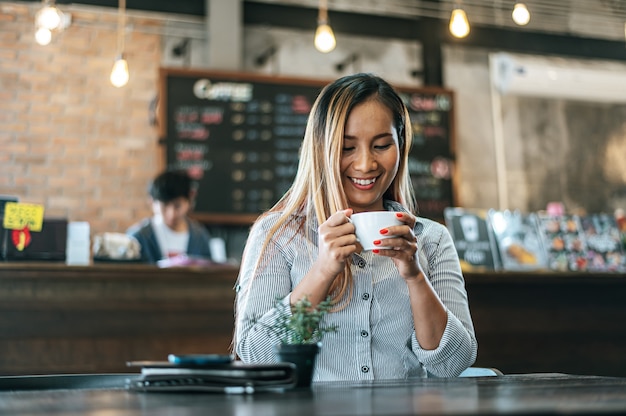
[(431, 32), (190, 7)]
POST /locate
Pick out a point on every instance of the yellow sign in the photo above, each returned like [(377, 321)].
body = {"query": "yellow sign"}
[(18, 215)]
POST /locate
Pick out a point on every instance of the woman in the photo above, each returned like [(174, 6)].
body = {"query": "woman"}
[(400, 312)]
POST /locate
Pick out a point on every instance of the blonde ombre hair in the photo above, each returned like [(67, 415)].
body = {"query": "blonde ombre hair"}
[(317, 190)]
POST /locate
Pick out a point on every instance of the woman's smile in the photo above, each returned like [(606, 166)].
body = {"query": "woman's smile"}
[(364, 184)]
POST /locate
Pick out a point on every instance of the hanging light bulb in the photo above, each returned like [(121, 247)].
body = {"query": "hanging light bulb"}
[(520, 14), (43, 36), (49, 17), (119, 74), (324, 36), (459, 25)]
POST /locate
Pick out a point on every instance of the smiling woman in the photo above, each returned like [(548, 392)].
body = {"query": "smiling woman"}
[(400, 308)]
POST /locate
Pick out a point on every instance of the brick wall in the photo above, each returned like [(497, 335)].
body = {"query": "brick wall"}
[(68, 139)]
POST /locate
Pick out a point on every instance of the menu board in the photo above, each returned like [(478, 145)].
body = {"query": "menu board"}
[(564, 241), (518, 240), (238, 135), (431, 160), (473, 238), (604, 244)]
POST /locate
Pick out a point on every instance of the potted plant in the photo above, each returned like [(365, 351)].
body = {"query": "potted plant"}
[(300, 333)]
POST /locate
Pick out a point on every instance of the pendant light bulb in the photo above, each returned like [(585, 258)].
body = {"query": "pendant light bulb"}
[(119, 74), (48, 20), (49, 17), (324, 37), (520, 14), (43, 36), (459, 25)]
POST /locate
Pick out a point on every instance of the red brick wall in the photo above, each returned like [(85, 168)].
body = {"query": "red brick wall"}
[(68, 139)]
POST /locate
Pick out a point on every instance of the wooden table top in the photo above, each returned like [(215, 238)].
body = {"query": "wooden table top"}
[(519, 394)]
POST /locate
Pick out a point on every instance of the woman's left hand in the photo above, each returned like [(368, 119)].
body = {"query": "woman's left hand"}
[(402, 247)]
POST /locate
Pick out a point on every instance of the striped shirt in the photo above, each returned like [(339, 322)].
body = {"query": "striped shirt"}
[(375, 337)]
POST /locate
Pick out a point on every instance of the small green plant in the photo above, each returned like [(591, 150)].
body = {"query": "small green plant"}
[(303, 325)]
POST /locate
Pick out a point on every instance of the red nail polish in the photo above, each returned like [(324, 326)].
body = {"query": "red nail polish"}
[(376, 242), (384, 231), (399, 214), (376, 251)]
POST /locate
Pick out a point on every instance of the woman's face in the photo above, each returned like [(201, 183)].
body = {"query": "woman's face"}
[(370, 156)]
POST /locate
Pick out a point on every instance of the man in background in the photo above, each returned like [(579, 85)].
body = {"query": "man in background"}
[(170, 232)]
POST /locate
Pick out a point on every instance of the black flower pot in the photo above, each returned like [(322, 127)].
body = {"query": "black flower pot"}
[(303, 356)]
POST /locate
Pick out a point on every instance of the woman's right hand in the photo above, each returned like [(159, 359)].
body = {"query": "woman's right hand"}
[(337, 242)]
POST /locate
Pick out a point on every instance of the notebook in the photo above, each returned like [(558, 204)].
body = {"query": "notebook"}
[(235, 377)]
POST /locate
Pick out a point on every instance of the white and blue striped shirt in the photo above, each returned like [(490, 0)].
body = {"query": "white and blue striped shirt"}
[(375, 337)]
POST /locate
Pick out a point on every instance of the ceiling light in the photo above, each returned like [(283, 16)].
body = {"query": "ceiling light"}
[(43, 36), (119, 74), (324, 36), (520, 14), (459, 25), (49, 19)]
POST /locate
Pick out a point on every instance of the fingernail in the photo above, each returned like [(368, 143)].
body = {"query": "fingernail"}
[(376, 251), (376, 242), (384, 231), (399, 214)]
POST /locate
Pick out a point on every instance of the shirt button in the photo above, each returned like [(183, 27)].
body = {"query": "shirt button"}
[(365, 296), (361, 263), (364, 333), (365, 369)]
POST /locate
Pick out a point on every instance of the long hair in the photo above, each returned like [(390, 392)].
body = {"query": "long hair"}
[(317, 190)]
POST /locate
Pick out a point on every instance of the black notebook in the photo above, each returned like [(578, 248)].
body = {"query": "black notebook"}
[(235, 377)]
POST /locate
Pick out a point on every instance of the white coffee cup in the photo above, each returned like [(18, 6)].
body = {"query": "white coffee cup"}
[(369, 224)]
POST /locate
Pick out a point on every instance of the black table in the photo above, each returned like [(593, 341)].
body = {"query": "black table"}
[(514, 394)]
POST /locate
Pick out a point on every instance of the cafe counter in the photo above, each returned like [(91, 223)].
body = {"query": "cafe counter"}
[(93, 319), (58, 318)]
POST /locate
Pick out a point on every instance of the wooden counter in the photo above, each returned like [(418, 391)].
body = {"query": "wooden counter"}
[(542, 322), (57, 318)]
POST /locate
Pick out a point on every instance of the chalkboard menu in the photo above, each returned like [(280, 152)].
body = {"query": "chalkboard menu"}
[(238, 135), (431, 160)]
